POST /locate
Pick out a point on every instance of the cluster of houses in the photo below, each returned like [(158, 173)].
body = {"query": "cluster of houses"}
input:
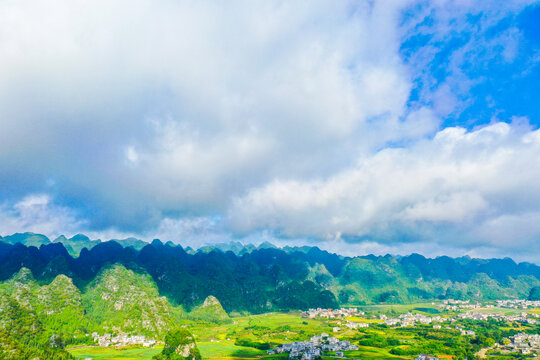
[(481, 316), (409, 319), (510, 304), (332, 313), (525, 344), (465, 332), (455, 305), (352, 325), (518, 304), (309, 350), (122, 340), (426, 357)]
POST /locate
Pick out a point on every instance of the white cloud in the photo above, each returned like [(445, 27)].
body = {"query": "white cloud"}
[(37, 213), (477, 182), (192, 231), (147, 107), (514, 230), (454, 207), (277, 113), (131, 155)]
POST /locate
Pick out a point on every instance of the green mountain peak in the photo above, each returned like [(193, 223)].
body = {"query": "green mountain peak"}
[(24, 275), (179, 345), (211, 311), (123, 299), (211, 301)]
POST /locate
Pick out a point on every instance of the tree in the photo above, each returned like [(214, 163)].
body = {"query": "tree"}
[(179, 345), (534, 294)]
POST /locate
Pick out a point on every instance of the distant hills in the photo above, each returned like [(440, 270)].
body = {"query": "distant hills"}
[(73, 245), (265, 278), (76, 243)]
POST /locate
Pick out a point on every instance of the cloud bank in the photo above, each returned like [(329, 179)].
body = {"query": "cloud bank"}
[(353, 125), (468, 189)]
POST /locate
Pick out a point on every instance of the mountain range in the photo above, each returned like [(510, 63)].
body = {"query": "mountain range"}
[(59, 292), (265, 278)]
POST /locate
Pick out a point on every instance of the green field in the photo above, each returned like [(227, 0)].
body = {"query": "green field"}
[(248, 337), (400, 308), (110, 353), (276, 328), (534, 311), (209, 350), (502, 311), (227, 350), (367, 352)]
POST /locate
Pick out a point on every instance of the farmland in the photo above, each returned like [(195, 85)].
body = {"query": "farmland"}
[(249, 337)]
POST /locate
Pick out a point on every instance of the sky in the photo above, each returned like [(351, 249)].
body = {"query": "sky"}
[(357, 126)]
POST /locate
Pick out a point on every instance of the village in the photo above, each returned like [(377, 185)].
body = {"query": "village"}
[(455, 305), (309, 350), (521, 343), (108, 339), (523, 317), (341, 321), (332, 314), (525, 344), (518, 304), (426, 357), (409, 319)]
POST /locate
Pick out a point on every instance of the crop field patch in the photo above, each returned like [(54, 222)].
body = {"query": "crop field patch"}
[(110, 353)]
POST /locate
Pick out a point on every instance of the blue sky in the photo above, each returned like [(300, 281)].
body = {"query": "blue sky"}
[(489, 60), (359, 126)]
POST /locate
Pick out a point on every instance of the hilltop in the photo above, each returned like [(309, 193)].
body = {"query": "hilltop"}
[(128, 302), (211, 311)]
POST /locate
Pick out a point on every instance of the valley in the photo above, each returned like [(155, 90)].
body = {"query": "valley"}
[(252, 337), (114, 301)]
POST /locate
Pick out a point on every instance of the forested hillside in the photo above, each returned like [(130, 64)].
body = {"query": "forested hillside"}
[(265, 278), (23, 335)]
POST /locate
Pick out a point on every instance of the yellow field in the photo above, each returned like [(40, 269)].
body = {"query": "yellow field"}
[(364, 320)]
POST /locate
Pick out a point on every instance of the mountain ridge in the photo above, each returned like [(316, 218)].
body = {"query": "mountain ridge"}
[(235, 246), (270, 278)]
